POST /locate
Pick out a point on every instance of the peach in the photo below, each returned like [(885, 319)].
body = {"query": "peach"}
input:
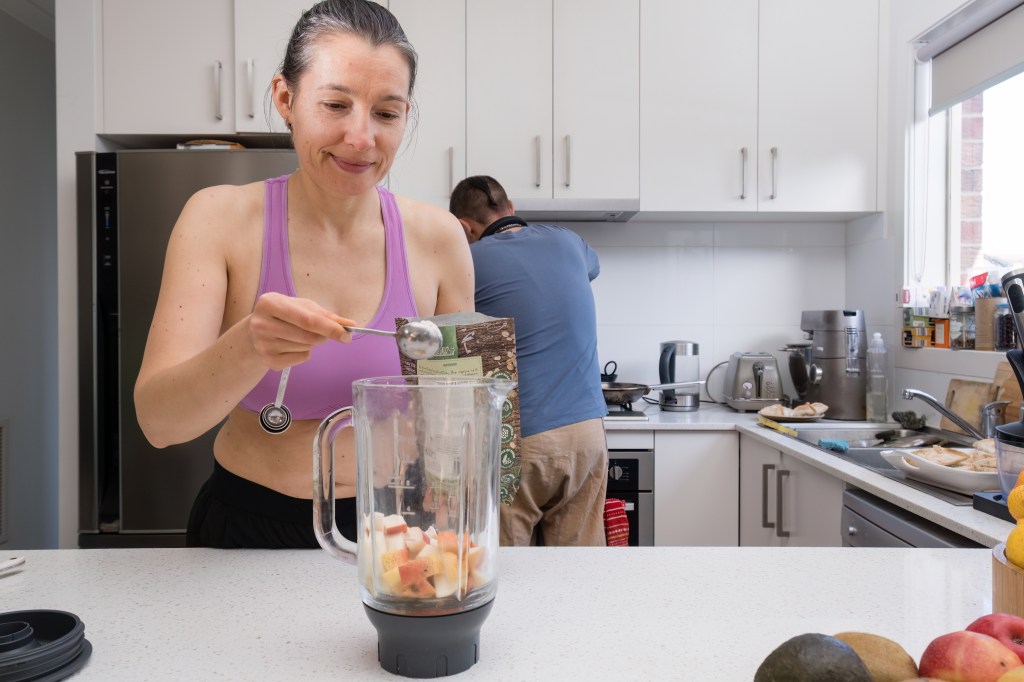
[(966, 656)]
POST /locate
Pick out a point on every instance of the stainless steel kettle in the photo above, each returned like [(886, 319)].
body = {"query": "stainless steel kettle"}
[(678, 361)]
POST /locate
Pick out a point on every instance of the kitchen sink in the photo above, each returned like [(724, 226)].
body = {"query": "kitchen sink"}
[(870, 458)]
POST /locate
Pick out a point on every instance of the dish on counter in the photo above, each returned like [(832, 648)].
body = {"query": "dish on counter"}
[(808, 412), (956, 478)]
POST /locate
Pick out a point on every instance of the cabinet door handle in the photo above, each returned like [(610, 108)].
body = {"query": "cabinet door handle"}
[(775, 163), (536, 154), (765, 468), (451, 171), (568, 160), (783, 473), (743, 173), (217, 111), (250, 76)]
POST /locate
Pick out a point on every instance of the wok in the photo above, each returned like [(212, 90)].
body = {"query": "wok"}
[(625, 394)]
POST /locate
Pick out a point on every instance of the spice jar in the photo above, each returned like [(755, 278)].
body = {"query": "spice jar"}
[(961, 327), (1005, 333)]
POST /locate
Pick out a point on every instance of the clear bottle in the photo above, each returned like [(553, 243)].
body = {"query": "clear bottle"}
[(877, 390)]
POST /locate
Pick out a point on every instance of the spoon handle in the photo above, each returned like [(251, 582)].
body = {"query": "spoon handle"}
[(365, 330)]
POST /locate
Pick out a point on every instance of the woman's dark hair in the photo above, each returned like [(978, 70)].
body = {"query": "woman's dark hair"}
[(478, 197), (368, 20)]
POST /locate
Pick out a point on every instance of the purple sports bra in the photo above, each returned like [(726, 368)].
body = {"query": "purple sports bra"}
[(323, 383)]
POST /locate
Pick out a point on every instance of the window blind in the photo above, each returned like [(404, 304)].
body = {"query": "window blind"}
[(979, 46)]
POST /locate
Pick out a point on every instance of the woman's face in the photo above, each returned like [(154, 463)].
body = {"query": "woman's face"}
[(348, 111)]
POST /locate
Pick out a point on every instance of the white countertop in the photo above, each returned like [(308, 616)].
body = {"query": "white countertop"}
[(649, 613), (964, 520)]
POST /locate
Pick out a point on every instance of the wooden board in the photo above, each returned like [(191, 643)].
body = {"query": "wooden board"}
[(965, 398), (1007, 388)]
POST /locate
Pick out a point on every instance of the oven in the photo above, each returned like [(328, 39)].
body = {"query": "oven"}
[(631, 479)]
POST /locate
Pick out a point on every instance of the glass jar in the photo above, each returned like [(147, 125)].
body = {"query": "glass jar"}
[(961, 327), (1003, 330)]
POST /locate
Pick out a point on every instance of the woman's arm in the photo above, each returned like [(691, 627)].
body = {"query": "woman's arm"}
[(192, 374)]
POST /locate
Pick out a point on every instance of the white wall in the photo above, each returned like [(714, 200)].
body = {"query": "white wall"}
[(28, 276), (727, 286)]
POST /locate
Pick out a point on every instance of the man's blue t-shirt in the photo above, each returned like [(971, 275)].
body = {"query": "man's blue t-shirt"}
[(540, 276)]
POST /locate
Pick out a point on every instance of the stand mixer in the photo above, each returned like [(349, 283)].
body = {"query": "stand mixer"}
[(1010, 437)]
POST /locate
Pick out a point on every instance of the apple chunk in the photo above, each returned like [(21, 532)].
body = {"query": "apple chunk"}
[(394, 523)]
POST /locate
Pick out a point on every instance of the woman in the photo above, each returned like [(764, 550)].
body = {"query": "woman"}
[(261, 277)]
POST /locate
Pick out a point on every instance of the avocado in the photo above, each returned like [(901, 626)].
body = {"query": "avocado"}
[(812, 657)]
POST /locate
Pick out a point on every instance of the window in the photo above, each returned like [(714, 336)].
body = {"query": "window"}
[(966, 185), (986, 182)]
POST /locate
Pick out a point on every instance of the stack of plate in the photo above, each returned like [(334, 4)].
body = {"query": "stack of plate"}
[(41, 645)]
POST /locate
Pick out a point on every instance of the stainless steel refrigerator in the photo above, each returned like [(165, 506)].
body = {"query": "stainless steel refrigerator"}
[(132, 494)]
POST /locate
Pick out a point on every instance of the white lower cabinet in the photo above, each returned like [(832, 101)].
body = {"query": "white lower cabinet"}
[(696, 499), (784, 502)]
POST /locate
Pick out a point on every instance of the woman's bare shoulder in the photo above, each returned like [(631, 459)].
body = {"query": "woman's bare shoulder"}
[(224, 205), (428, 222)]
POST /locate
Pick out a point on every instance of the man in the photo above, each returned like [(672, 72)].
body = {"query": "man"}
[(540, 276)]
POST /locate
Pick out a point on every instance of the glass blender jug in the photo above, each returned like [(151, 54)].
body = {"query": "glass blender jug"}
[(427, 466)]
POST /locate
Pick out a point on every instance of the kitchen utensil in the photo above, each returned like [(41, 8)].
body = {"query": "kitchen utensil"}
[(951, 478), (774, 425), (419, 340), (1010, 437), (965, 399), (831, 369), (1007, 388), (275, 417), (608, 373), (42, 645), (625, 393), (427, 466), (679, 361), (752, 381)]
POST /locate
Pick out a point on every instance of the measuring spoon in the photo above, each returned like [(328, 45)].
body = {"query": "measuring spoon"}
[(418, 340)]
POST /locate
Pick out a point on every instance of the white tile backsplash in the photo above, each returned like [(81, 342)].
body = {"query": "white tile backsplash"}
[(728, 287)]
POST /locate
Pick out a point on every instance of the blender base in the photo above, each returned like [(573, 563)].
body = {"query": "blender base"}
[(428, 646)]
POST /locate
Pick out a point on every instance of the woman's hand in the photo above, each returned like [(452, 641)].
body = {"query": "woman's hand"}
[(283, 329)]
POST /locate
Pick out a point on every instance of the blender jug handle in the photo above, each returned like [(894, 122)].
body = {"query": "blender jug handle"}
[(324, 525)]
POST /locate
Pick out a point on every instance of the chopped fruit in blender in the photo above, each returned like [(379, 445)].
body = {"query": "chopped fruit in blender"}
[(394, 524), (389, 560), (415, 540)]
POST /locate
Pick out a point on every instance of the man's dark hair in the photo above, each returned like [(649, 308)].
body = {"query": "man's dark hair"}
[(477, 198)]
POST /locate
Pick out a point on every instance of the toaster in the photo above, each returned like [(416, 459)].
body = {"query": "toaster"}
[(752, 381)]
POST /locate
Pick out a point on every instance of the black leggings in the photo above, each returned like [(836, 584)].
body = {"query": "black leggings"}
[(231, 512)]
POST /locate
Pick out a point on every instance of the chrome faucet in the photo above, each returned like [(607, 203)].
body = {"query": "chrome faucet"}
[(911, 393)]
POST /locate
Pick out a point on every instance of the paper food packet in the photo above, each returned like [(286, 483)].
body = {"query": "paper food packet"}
[(474, 344)]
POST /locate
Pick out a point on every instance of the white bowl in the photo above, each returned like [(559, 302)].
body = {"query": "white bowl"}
[(958, 480)]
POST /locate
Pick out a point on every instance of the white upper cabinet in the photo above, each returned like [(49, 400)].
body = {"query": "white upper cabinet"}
[(167, 67), (759, 106), (555, 115), (508, 94), (596, 114), (698, 107), (818, 105), (433, 155), (261, 31)]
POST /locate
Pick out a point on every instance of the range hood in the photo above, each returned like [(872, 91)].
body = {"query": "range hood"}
[(576, 210)]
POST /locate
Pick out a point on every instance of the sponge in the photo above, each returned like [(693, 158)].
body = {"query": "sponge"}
[(834, 444)]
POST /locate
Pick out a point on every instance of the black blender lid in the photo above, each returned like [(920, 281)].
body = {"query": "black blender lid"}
[(41, 646), (1012, 433)]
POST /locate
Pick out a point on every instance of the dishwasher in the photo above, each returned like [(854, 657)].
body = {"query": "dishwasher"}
[(869, 521)]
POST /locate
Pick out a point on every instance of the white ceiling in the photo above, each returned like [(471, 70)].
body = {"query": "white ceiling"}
[(36, 14)]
